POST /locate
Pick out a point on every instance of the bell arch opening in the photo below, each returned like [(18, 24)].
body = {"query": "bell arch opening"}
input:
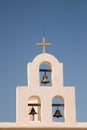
[(58, 109), (45, 74), (34, 108)]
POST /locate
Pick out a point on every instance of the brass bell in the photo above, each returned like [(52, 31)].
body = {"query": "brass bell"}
[(57, 113), (45, 79), (33, 112)]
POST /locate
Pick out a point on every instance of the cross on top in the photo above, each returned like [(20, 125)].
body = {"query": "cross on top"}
[(43, 44)]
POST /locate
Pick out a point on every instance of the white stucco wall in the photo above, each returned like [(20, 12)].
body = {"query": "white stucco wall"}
[(46, 94)]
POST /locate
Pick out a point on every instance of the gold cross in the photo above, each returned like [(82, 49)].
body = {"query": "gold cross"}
[(43, 44)]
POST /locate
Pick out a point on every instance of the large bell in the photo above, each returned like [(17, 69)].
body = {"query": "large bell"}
[(45, 79), (57, 113), (33, 112)]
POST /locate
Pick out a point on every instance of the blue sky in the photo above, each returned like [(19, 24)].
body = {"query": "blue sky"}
[(22, 23)]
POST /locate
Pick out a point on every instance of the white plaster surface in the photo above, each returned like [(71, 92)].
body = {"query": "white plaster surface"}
[(44, 96), (77, 126)]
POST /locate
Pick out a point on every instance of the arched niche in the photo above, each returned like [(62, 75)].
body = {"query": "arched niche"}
[(58, 109), (34, 108), (53, 63), (45, 74)]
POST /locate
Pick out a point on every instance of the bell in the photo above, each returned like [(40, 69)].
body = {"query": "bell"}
[(57, 113), (33, 112), (45, 79)]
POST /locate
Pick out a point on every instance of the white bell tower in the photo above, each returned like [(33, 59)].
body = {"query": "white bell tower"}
[(45, 100)]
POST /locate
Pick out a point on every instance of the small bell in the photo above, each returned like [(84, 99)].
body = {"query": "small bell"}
[(45, 79), (57, 113), (33, 112)]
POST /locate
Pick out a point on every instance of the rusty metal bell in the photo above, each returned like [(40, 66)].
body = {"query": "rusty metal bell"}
[(57, 113)]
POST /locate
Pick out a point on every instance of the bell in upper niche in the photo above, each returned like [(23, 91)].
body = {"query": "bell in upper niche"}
[(45, 79), (57, 113)]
